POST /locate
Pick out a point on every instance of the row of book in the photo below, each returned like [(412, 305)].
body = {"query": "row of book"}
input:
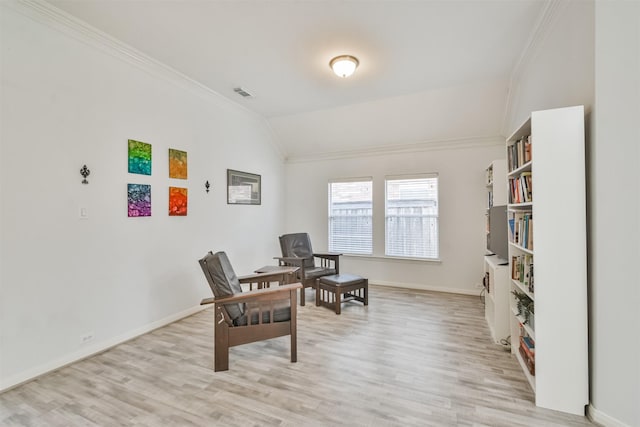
[(490, 199), (521, 188), (489, 176), (528, 352), (519, 153), (521, 229), (522, 270)]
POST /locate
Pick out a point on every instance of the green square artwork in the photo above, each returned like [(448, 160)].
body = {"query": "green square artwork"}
[(139, 157)]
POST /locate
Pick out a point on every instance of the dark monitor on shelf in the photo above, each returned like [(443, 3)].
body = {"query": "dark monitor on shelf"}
[(497, 237)]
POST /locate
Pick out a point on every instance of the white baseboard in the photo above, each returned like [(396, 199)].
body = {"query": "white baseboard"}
[(474, 292), (88, 351), (603, 419)]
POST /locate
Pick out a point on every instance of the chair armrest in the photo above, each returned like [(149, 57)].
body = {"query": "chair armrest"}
[(329, 255), (327, 258), (258, 293)]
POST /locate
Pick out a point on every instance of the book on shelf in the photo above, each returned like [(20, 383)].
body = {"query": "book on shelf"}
[(529, 346), (520, 188), (527, 351), (519, 152), (520, 229), (522, 270), (515, 271), (527, 149), (531, 365), (527, 183), (511, 222), (486, 282), (489, 176)]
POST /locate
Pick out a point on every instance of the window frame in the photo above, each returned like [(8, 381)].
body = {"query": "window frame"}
[(330, 222), (435, 217)]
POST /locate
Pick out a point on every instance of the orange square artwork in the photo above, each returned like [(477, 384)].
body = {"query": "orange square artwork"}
[(177, 164), (178, 201)]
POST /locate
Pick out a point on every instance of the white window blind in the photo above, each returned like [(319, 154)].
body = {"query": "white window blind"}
[(350, 216), (411, 212)]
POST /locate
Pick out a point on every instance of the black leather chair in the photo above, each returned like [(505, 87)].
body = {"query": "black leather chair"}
[(246, 317), (297, 252)]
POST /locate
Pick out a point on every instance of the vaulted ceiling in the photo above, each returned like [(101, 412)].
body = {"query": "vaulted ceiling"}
[(429, 70)]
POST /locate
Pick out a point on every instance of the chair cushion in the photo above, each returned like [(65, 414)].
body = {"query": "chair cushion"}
[(281, 313), (298, 245), (316, 272), (222, 280)]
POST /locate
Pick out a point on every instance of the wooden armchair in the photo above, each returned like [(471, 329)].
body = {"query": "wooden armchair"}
[(297, 252), (246, 317)]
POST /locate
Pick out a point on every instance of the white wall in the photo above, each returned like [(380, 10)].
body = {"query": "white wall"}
[(66, 101), (469, 110), (558, 69), (565, 69), (614, 211), (461, 215)]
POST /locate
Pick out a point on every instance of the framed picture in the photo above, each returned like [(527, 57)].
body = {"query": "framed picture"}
[(139, 200), (243, 188)]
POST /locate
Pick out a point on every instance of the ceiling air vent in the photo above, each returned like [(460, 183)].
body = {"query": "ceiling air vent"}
[(242, 92)]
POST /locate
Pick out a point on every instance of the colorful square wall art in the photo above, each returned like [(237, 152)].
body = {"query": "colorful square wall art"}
[(139, 199), (178, 201), (139, 157), (177, 164)]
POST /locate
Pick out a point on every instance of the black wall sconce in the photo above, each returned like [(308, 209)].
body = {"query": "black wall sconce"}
[(85, 173), (207, 185)]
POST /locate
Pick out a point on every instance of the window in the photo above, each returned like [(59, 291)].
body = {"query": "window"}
[(411, 212), (350, 216)]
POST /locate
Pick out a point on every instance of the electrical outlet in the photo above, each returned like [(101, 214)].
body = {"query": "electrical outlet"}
[(86, 337)]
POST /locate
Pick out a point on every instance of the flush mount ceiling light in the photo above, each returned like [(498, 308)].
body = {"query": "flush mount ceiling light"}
[(344, 65)]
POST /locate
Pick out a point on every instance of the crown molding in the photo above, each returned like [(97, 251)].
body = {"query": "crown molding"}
[(385, 150), (60, 20), (49, 15), (541, 29)]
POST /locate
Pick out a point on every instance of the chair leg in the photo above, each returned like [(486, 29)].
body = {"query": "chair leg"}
[(294, 327), (318, 294), (221, 345), (366, 291)]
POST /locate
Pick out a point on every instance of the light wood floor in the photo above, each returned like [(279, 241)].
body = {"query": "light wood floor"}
[(410, 358)]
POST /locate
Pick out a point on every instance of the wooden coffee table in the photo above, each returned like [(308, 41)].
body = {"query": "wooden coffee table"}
[(342, 286)]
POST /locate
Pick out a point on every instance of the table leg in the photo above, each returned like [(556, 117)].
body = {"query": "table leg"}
[(366, 292)]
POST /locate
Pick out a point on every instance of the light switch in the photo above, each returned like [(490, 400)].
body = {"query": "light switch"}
[(84, 213)]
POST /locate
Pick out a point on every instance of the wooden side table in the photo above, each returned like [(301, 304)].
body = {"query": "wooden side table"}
[(282, 274)]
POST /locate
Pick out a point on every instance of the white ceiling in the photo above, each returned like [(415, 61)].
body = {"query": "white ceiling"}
[(415, 51)]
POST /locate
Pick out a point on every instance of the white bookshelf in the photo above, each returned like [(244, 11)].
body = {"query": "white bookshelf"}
[(496, 183), (496, 307), (496, 301), (557, 207)]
